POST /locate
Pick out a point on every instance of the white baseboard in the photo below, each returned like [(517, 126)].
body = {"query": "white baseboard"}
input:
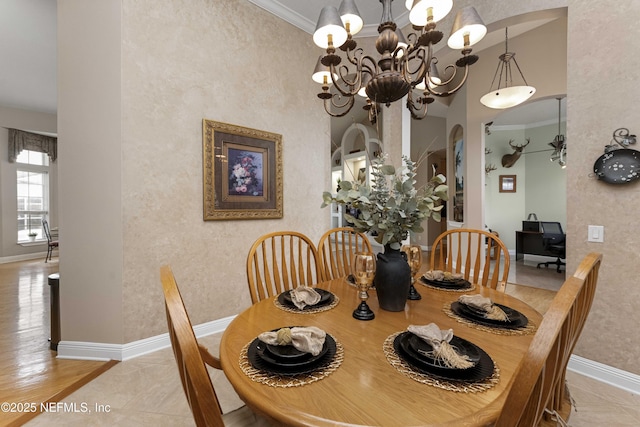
[(101, 351), (23, 257), (604, 373)]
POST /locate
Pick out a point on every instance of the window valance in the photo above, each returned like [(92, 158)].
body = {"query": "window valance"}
[(20, 140)]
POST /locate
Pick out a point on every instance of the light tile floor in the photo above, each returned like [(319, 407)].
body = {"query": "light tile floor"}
[(146, 391)]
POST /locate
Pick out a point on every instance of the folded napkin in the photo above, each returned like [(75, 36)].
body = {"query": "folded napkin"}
[(484, 304), (303, 296), (442, 275), (307, 339), (442, 352)]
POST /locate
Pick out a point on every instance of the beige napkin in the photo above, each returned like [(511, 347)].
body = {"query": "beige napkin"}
[(303, 296), (308, 339), (442, 351), (442, 275), (484, 304)]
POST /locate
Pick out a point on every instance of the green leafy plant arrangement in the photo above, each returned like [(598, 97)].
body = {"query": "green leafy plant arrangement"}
[(392, 207)]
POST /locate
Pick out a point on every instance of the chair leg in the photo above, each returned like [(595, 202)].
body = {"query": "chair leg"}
[(557, 262)]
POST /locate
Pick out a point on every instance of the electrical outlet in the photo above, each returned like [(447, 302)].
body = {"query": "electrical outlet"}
[(596, 233)]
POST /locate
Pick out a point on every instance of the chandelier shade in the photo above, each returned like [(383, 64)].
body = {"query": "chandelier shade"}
[(469, 23), (401, 65), (505, 94), (350, 16), (330, 29)]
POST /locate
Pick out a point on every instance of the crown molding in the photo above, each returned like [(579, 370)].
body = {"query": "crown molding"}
[(308, 26)]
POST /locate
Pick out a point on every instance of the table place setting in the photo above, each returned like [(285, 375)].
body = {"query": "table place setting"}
[(306, 300), (291, 356), (482, 313), (446, 281), (436, 357)]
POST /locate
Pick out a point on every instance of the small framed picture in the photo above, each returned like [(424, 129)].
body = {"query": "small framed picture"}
[(507, 183)]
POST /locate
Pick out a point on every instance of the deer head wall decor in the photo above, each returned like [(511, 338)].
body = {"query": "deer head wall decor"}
[(489, 168), (509, 160)]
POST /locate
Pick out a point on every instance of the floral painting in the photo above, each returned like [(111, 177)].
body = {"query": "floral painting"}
[(242, 174), (245, 173)]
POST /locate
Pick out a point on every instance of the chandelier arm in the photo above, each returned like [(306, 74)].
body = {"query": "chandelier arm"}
[(455, 89), (348, 104), (417, 113), (415, 76), (352, 86)]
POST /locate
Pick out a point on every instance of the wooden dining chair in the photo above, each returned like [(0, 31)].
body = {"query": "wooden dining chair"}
[(538, 392), (280, 261), (191, 357), (51, 242), (468, 251), (336, 249)]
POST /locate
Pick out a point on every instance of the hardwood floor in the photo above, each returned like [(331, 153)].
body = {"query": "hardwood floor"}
[(29, 370)]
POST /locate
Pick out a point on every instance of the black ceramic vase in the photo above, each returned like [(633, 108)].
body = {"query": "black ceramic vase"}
[(393, 279)]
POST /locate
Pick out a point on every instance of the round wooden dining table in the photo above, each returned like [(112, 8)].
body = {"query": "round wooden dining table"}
[(366, 389)]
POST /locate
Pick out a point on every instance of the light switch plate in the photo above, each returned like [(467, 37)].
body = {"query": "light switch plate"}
[(596, 233)]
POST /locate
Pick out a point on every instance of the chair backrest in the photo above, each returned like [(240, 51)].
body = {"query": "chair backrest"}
[(47, 231), (553, 237), (539, 383), (551, 227), (280, 261), (336, 249), (462, 250), (193, 372)]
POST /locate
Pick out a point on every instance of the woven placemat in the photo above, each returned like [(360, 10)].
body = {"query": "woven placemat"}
[(530, 328), (313, 310), (286, 381), (451, 385), (438, 288)]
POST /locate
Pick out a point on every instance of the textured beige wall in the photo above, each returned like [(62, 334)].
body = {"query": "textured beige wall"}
[(228, 61), (603, 59)]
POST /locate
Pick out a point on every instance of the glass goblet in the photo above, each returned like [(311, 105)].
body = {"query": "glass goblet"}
[(364, 270), (414, 259)]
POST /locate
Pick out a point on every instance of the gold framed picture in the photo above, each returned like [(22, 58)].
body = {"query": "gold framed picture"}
[(507, 183), (242, 172)]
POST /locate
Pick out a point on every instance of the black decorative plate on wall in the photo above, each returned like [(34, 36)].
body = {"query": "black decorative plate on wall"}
[(618, 166)]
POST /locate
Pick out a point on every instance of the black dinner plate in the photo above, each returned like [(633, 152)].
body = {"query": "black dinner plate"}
[(516, 319), (285, 353), (260, 361), (448, 284), (482, 370), (416, 345), (326, 298)]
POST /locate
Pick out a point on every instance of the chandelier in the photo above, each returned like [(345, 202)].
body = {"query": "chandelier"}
[(401, 66), (507, 96), (559, 144)]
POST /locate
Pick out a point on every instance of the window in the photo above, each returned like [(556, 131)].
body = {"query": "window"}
[(33, 193)]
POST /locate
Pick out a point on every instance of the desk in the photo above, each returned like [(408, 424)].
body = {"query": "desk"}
[(366, 389), (530, 242)]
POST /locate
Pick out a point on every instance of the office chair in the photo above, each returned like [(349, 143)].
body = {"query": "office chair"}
[(554, 242)]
